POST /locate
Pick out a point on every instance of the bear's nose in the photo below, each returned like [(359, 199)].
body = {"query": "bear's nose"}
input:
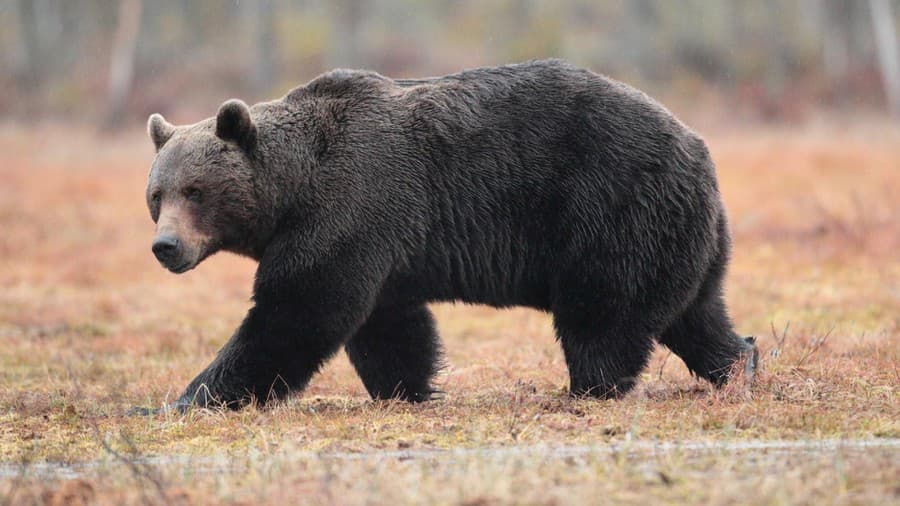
[(165, 247)]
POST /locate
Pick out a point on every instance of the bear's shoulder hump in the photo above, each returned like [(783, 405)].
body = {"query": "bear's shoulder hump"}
[(341, 83)]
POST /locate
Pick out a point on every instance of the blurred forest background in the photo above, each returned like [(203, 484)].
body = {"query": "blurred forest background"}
[(111, 61)]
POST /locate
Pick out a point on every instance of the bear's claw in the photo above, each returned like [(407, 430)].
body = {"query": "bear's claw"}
[(752, 361)]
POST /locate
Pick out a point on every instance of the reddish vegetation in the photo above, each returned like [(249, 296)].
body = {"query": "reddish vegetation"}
[(91, 325)]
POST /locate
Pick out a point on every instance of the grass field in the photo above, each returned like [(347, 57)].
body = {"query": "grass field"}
[(90, 326)]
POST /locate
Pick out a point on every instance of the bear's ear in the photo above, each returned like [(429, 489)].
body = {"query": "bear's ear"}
[(233, 123), (159, 129)]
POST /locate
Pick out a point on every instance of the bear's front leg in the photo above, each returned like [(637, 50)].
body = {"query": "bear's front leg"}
[(300, 319), (273, 352)]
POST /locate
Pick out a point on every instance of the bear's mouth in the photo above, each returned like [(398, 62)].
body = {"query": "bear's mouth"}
[(181, 268)]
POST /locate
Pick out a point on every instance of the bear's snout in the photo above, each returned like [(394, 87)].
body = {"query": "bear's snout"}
[(167, 249)]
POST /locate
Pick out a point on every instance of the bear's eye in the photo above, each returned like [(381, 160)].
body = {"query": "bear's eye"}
[(192, 194), (155, 198)]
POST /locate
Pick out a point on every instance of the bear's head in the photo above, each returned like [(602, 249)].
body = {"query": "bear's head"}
[(201, 187)]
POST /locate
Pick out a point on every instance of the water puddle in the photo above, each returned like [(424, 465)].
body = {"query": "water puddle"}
[(224, 464)]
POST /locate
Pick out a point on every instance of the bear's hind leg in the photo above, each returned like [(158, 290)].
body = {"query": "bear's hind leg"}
[(397, 353), (703, 335), (604, 359), (704, 338)]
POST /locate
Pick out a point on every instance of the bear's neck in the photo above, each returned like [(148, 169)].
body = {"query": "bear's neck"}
[(282, 164)]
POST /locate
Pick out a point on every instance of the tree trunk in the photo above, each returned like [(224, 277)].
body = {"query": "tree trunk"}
[(264, 60), (777, 51), (345, 45), (836, 47), (888, 59), (121, 66), (30, 73)]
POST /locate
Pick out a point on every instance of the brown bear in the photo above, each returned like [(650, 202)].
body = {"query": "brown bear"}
[(364, 198)]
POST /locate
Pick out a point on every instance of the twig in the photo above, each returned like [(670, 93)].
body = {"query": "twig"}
[(141, 472), (779, 341), (814, 345), (663, 364)]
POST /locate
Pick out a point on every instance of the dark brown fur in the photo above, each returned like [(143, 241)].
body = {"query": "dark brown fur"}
[(364, 198)]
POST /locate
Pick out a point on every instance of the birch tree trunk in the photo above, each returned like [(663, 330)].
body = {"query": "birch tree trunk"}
[(888, 59), (121, 66)]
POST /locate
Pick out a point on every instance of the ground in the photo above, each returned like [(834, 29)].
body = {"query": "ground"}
[(90, 325)]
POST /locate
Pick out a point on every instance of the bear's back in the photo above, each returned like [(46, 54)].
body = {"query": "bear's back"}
[(540, 110), (514, 170)]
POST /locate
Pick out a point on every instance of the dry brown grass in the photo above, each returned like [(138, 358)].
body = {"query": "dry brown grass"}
[(90, 325)]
